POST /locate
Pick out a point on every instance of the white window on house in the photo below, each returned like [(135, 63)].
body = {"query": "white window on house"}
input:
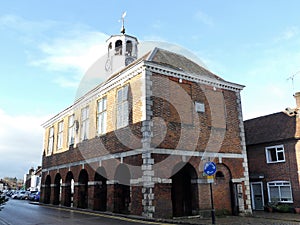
[(60, 135), (280, 191), (199, 107), (71, 130), (122, 107), (101, 116), (50, 140), (275, 154), (84, 123)]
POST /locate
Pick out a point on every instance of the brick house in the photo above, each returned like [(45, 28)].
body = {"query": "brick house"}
[(273, 157), (137, 142)]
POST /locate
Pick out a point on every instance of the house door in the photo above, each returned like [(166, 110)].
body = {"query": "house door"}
[(257, 195)]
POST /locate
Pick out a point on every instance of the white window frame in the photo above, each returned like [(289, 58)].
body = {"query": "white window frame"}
[(71, 130), (50, 141), (85, 123), (122, 107), (60, 135), (101, 116), (278, 150), (280, 185)]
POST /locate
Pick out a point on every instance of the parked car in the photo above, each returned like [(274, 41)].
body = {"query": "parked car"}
[(15, 195), (21, 195), (37, 197), (32, 195), (24, 195)]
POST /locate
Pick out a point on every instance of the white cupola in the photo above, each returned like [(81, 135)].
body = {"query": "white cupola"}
[(121, 50)]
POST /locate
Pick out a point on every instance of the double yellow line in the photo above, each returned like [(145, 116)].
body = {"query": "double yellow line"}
[(108, 216)]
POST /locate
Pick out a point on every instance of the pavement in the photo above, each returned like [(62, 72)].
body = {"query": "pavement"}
[(257, 218)]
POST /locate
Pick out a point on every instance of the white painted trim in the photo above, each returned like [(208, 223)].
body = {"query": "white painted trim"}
[(140, 151), (198, 78)]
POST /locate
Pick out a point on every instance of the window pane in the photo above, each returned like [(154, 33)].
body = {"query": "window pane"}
[(125, 113), (100, 123), (100, 106), (104, 122), (274, 193), (119, 97), (280, 156), (119, 116), (125, 93), (272, 154), (104, 104), (286, 194)]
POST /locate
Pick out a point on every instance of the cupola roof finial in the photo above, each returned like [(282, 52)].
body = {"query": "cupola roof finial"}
[(123, 27)]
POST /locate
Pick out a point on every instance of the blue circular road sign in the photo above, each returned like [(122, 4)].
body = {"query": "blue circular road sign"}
[(210, 168)]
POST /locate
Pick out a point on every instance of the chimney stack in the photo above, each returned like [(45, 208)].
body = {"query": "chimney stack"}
[(297, 97)]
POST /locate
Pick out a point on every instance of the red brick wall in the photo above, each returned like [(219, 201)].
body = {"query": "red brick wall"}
[(165, 108), (285, 171)]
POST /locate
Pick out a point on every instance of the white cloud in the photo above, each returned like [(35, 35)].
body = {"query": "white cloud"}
[(26, 26), (58, 46), (74, 54), (204, 18), (288, 34), (21, 143)]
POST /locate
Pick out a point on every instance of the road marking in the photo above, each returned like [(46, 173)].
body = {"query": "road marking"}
[(108, 216)]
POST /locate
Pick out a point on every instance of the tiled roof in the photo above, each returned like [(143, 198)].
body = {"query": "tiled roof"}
[(179, 62), (273, 127)]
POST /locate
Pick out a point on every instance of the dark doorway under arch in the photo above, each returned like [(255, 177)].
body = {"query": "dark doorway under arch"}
[(47, 194), (122, 190), (184, 192), (57, 189), (100, 192), (83, 189), (69, 189)]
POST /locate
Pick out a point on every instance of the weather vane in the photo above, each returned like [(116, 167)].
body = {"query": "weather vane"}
[(292, 78), (123, 27)]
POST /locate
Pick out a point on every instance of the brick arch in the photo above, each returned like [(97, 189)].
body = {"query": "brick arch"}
[(184, 191), (100, 189), (222, 188)]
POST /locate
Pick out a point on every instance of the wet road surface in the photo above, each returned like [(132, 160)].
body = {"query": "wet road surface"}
[(20, 212)]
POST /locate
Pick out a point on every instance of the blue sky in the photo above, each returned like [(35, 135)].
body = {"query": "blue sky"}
[(46, 47)]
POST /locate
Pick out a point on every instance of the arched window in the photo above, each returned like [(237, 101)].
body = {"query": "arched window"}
[(219, 174), (118, 47), (129, 48)]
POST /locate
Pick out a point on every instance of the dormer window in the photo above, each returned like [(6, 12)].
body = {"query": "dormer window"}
[(118, 47)]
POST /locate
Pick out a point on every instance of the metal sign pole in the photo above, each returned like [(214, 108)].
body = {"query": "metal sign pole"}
[(213, 216), (210, 169)]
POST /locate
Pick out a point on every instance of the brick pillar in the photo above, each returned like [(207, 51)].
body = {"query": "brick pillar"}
[(110, 196), (52, 199), (42, 194), (163, 203), (91, 194), (63, 194), (76, 195)]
